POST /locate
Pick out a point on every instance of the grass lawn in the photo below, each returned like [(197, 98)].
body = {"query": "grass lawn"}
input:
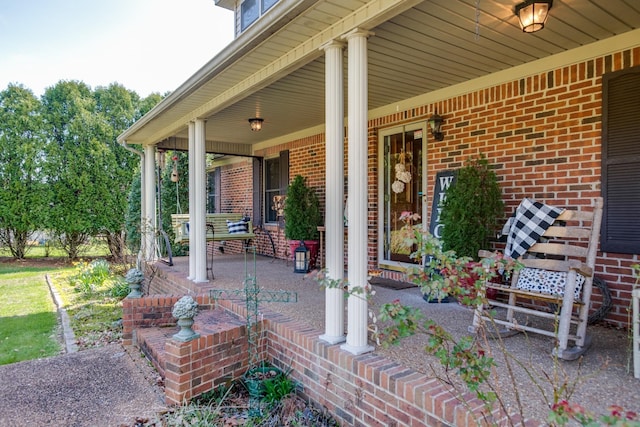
[(29, 322)]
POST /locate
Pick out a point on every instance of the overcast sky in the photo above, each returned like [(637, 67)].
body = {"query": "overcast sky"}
[(146, 45)]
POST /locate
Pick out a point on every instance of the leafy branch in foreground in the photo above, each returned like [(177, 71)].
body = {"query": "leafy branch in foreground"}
[(469, 359)]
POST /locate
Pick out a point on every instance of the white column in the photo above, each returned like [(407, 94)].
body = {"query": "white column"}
[(192, 195), (357, 321), (200, 207), (334, 224), (149, 226)]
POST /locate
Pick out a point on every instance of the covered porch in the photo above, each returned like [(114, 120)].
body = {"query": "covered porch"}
[(601, 379), (333, 81)]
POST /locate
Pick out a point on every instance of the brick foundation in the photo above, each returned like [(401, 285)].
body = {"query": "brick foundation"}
[(364, 390)]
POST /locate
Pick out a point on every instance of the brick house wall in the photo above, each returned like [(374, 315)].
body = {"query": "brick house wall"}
[(542, 133)]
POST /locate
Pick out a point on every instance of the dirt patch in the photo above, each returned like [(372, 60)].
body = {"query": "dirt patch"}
[(36, 262)]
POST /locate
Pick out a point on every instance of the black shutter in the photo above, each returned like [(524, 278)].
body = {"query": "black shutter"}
[(284, 171), (621, 161), (257, 192), (217, 177)]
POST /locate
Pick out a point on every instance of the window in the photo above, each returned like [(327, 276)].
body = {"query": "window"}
[(621, 161), (276, 181), (213, 191), (266, 4), (251, 10)]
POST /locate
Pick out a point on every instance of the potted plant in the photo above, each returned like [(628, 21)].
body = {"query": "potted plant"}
[(471, 209), (302, 217)]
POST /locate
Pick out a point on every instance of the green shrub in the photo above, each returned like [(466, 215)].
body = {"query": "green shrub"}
[(301, 211), (472, 209), (90, 276), (119, 289), (278, 387)]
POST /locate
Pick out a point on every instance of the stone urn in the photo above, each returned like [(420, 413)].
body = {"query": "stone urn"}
[(134, 279), (185, 310)]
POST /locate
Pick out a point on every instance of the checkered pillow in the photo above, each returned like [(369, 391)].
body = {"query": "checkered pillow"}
[(530, 221), (547, 282), (238, 227)]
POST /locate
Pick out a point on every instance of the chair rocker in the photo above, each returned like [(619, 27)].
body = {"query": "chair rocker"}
[(558, 269)]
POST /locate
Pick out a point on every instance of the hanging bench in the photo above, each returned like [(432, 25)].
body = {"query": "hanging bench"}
[(220, 226), (559, 270)]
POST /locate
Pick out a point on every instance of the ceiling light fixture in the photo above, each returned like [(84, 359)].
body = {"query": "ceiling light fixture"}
[(256, 123), (533, 14)]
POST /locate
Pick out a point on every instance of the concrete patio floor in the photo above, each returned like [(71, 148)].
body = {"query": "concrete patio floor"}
[(599, 380)]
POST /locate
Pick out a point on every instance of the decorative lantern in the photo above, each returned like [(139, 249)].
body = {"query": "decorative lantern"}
[(532, 14), (301, 259), (256, 124)]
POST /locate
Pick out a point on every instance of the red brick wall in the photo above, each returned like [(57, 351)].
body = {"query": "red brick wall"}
[(365, 390), (541, 133)]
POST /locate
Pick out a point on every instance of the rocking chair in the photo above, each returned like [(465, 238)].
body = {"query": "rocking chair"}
[(558, 272)]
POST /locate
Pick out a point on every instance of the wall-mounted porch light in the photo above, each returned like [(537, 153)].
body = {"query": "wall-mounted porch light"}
[(435, 124), (256, 123), (533, 14)]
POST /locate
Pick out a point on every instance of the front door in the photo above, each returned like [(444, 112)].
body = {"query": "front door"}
[(403, 170)]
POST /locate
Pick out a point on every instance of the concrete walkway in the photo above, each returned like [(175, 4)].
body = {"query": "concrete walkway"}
[(107, 386)]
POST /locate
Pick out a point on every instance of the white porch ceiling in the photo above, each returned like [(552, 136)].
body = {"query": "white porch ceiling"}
[(430, 46)]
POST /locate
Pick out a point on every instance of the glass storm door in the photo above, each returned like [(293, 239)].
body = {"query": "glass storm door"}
[(402, 186)]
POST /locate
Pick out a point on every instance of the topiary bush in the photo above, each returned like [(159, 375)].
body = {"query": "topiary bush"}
[(472, 209), (301, 211)]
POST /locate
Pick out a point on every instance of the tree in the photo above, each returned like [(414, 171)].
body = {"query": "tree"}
[(132, 214), (174, 195), (76, 166), (89, 173), (118, 108), (22, 200)]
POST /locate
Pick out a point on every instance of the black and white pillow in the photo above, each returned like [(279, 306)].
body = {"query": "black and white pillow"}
[(547, 282), (238, 227)]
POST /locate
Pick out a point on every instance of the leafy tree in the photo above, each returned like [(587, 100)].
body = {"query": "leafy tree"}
[(146, 104), (77, 161), (89, 173), (22, 202), (174, 195), (118, 108), (132, 215)]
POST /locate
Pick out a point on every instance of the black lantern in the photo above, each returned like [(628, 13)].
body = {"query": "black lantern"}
[(532, 14), (301, 259), (435, 124)]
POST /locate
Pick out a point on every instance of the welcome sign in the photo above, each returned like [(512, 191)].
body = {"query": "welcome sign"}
[(444, 179)]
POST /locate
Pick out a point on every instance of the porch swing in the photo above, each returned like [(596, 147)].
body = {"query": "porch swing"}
[(219, 226)]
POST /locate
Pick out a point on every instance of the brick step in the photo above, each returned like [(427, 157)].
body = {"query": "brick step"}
[(213, 325), (151, 342)]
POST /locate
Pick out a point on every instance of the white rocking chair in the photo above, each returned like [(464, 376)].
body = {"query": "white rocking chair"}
[(555, 269)]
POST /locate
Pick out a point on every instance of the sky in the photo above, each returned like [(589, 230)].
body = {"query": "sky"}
[(145, 45)]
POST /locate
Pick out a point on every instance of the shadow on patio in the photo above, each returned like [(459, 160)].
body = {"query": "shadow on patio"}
[(600, 379)]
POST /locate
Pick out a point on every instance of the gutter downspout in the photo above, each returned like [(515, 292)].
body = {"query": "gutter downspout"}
[(143, 213)]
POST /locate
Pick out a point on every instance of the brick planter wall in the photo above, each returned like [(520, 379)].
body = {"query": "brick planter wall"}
[(365, 390)]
